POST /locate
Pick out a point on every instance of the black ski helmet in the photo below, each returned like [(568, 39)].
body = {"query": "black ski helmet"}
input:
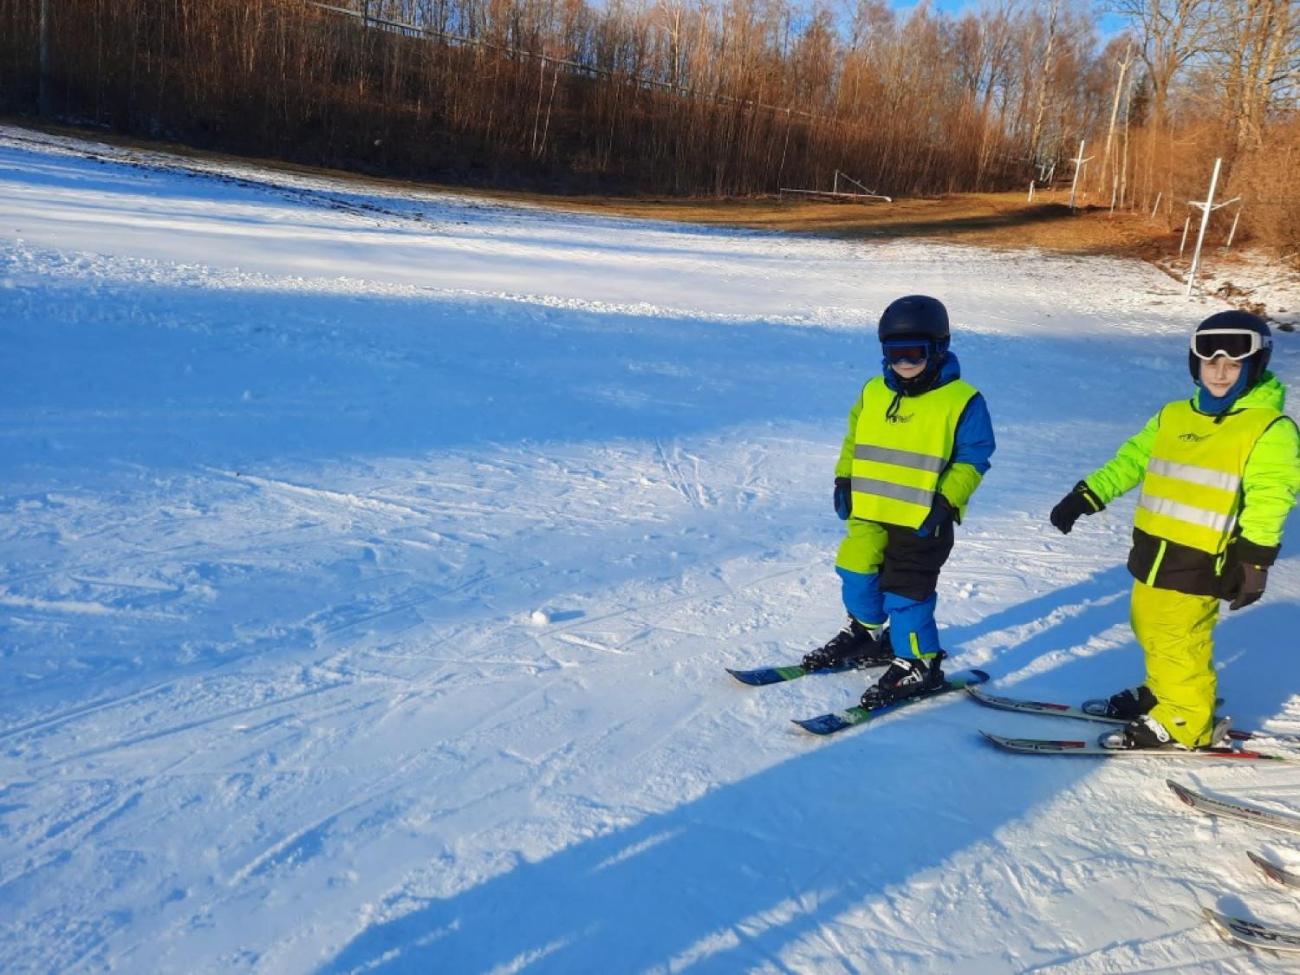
[(1257, 362), (915, 316)]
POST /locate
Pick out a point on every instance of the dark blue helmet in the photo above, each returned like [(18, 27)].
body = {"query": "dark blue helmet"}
[(1239, 335), (915, 317)]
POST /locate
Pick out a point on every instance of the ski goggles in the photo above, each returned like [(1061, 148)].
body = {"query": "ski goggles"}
[(908, 351), (1235, 343)]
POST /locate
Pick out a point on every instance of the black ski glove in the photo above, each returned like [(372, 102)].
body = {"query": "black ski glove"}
[(1253, 580), (843, 497), (1080, 501), (940, 517)]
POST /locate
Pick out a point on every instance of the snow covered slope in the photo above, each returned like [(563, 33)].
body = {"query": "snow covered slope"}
[(288, 467)]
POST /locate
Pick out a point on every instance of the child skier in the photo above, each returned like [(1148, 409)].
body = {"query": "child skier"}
[(918, 444), (1219, 473)]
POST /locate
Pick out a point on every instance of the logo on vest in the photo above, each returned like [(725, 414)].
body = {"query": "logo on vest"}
[(1195, 437), (900, 418)]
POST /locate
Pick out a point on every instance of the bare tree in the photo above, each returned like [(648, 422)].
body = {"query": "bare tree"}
[(1257, 54), (1170, 33)]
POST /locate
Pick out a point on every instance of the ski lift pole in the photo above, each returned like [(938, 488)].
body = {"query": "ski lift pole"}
[(1157, 206), (43, 100), (1209, 206), (1183, 246), (1078, 165), (1206, 208), (1233, 232)]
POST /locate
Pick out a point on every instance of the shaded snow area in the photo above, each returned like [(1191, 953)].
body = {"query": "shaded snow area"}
[(370, 558)]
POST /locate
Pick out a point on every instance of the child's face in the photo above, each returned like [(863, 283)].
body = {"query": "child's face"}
[(1219, 374), (909, 370)]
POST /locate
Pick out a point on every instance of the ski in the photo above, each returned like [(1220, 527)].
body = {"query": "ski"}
[(1025, 706), (1274, 871), (1057, 746), (1253, 933), (1233, 809), (829, 724), (761, 676), (1053, 709)]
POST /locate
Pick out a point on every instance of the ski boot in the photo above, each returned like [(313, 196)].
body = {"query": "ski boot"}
[(856, 644), (1128, 705), (1143, 732), (906, 677)]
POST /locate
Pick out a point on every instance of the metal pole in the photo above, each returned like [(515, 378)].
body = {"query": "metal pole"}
[(837, 181), (1205, 222), (1157, 206), (1078, 164), (1031, 191), (1233, 232), (43, 91), (1186, 223)]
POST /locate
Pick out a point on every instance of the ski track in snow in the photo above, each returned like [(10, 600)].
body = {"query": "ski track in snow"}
[(287, 465)]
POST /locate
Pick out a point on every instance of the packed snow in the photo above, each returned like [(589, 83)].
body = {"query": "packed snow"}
[(370, 558)]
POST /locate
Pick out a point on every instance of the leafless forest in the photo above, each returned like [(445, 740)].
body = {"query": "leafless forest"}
[(698, 97)]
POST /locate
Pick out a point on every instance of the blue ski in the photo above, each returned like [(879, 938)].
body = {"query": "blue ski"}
[(829, 724)]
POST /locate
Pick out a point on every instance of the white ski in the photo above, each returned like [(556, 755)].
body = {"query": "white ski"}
[(1070, 746), (1274, 871), (1233, 809), (1253, 933)]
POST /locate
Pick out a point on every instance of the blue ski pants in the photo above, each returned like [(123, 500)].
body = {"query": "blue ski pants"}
[(890, 572)]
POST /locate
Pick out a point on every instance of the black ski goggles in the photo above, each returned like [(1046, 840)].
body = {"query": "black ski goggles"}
[(1235, 343), (907, 351)]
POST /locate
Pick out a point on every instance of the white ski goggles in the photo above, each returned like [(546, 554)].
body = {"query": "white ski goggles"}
[(1235, 343)]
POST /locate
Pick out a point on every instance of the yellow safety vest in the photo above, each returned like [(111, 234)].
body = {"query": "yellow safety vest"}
[(897, 460), (1191, 493)]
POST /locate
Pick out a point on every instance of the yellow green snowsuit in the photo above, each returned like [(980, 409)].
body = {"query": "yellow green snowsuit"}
[(1216, 491)]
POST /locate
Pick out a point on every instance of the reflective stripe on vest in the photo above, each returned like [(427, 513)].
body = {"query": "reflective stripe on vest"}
[(1191, 493), (897, 461)]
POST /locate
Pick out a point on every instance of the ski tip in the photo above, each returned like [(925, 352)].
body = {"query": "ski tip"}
[(1269, 868), (825, 724), (1221, 922)]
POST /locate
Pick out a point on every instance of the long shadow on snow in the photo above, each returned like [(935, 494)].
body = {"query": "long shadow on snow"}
[(727, 881), (730, 879), (220, 377)]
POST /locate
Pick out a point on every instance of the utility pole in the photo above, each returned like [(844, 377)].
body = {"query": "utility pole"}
[(43, 92)]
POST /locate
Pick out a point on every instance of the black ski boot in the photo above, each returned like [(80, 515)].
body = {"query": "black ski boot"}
[(1128, 705), (1143, 732), (861, 646), (906, 677)]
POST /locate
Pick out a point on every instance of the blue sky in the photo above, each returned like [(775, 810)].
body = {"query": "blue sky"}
[(1109, 22)]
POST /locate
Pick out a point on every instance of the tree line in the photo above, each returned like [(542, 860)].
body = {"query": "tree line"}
[(699, 97)]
